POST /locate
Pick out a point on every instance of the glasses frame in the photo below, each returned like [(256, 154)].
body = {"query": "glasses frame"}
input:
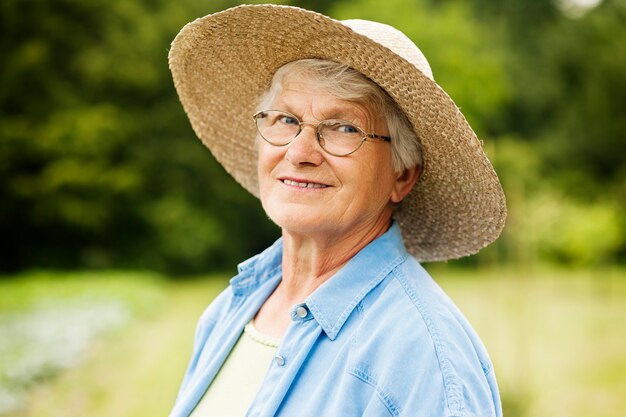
[(318, 135)]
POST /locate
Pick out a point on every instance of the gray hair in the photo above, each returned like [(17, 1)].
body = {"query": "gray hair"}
[(348, 84)]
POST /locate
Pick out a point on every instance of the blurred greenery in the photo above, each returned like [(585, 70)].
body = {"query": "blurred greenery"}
[(558, 350), (130, 332), (49, 322), (100, 168)]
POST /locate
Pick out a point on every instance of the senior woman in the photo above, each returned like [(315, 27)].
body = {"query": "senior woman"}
[(367, 167)]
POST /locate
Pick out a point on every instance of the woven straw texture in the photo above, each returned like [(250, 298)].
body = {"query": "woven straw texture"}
[(223, 62)]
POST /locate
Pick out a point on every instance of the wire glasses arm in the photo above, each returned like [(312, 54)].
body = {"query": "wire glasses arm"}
[(374, 136)]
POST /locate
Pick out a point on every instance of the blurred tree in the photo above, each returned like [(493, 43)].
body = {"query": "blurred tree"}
[(570, 89), (569, 83), (98, 161), (519, 17), (589, 62)]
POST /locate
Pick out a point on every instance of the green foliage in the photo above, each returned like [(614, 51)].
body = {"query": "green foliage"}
[(547, 224), (588, 126), (572, 232), (98, 162)]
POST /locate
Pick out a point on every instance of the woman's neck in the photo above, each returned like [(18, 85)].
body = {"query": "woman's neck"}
[(309, 261)]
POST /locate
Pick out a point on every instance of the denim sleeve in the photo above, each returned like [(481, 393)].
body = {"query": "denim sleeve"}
[(204, 328)]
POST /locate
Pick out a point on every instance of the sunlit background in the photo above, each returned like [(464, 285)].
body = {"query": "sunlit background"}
[(118, 227)]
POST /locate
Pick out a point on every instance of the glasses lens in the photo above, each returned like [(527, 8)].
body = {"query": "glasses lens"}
[(276, 127), (340, 137)]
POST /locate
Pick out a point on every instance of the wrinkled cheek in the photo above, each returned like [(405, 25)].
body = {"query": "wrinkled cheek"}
[(264, 170), (265, 193), (268, 206)]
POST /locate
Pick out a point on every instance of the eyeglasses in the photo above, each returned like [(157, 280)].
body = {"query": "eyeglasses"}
[(336, 137)]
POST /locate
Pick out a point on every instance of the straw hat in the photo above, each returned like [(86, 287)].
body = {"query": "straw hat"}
[(223, 62)]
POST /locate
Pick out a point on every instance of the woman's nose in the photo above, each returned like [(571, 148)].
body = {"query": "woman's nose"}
[(304, 149)]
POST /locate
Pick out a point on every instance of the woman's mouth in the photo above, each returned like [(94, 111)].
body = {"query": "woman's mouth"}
[(303, 184)]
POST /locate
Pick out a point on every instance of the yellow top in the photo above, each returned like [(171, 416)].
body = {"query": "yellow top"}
[(240, 377)]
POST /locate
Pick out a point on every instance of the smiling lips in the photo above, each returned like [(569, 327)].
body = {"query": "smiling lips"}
[(303, 184)]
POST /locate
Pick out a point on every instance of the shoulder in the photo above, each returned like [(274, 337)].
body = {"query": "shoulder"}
[(419, 347), (214, 313), (254, 274)]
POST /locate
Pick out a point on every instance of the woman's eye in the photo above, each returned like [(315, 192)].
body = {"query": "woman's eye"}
[(288, 120), (345, 128)]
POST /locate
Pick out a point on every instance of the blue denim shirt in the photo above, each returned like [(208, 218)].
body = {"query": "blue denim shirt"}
[(380, 338)]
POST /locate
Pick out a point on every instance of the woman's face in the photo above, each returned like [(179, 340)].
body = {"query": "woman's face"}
[(349, 194)]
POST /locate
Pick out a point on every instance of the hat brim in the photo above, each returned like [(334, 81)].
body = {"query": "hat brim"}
[(222, 63)]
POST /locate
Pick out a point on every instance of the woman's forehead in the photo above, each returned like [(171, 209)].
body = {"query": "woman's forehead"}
[(303, 97)]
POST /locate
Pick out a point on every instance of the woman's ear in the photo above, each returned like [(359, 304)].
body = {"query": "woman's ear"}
[(404, 183)]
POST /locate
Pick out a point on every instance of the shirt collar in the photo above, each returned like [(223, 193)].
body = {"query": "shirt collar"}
[(333, 302), (260, 268)]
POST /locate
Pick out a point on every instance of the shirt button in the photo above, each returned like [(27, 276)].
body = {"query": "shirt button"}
[(280, 361), (302, 312)]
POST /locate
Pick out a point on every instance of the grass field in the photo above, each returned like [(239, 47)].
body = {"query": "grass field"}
[(557, 339)]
